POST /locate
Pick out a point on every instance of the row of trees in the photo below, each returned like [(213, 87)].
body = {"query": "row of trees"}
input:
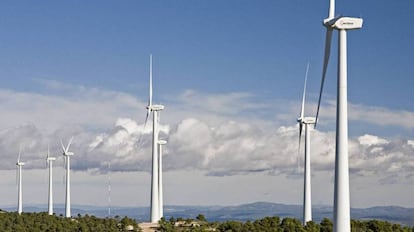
[(42, 222), (275, 224)]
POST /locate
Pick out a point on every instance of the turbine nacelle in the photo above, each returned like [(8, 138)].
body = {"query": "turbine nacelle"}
[(344, 23), (68, 153), (162, 142), (328, 22), (307, 120), (51, 159), (20, 163), (155, 107)]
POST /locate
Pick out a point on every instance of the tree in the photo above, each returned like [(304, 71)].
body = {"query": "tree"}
[(270, 224), (167, 226), (230, 226), (201, 217), (312, 227), (291, 225), (326, 225), (248, 227)]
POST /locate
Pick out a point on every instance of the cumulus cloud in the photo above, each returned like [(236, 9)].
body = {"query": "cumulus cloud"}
[(226, 149), (389, 160), (234, 147), (126, 147), (370, 140), (205, 132)]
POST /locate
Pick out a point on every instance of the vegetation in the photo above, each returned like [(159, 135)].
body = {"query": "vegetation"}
[(42, 222), (274, 224)]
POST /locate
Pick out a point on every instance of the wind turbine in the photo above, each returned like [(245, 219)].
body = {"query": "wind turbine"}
[(306, 121), (67, 154), (161, 200), (155, 192), (109, 189), (19, 176), (49, 162), (341, 189)]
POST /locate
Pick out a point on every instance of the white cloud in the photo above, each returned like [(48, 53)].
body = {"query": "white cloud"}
[(370, 140), (91, 108), (221, 104), (410, 142), (369, 114), (210, 133)]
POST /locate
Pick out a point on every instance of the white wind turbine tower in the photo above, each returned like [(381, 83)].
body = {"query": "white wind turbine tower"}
[(109, 189), (161, 200), (341, 190), (67, 155), (49, 162), (155, 193), (19, 165), (306, 121)]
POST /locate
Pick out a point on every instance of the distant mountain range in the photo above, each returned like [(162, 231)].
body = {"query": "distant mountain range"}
[(243, 212)]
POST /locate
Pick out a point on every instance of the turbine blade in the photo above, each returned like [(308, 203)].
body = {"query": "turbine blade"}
[(304, 93), (146, 120), (17, 175), (331, 9), (300, 140), (325, 67), (150, 83), (47, 157), (300, 133), (63, 147), (20, 152), (70, 142), (143, 130)]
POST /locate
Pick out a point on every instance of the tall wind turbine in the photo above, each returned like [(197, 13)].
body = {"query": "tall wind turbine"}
[(306, 121), (155, 109), (19, 165), (341, 189), (67, 154), (49, 162), (161, 200)]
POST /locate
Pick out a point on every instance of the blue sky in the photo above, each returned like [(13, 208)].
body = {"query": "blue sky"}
[(81, 68), (263, 47)]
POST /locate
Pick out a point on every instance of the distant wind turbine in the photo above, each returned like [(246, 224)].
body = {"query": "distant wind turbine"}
[(341, 191), (306, 121), (161, 200), (155, 192), (109, 189), (67, 154), (49, 162), (19, 166)]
